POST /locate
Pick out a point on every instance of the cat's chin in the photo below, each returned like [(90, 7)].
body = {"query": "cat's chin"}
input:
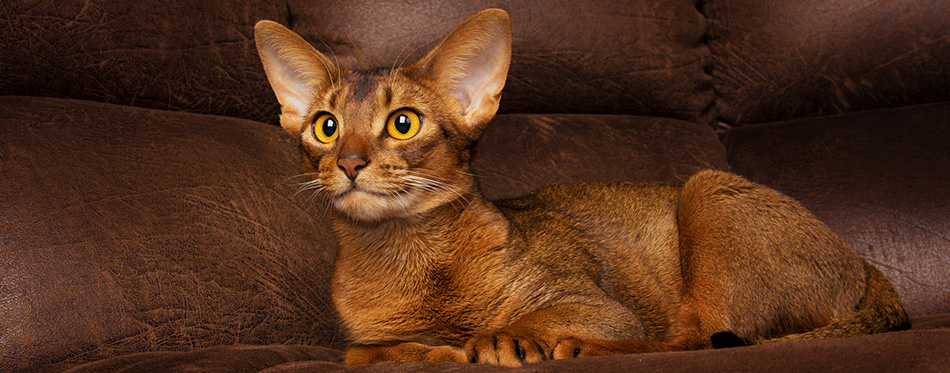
[(367, 206)]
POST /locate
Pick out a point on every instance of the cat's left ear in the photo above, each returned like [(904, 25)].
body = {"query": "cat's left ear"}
[(472, 65)]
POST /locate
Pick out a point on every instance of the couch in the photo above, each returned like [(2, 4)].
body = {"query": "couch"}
[(149, 214)]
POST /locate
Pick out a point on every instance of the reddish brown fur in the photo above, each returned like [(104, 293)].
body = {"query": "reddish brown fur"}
[(430, 270)]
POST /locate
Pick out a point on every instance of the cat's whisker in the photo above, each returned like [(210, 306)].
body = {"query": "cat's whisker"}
[(397, 64), (315, 185), (291, 179), (336, 61), (466, 173), (448, 191), (436, 179), (317, 198), (427, 174), (316, 194)]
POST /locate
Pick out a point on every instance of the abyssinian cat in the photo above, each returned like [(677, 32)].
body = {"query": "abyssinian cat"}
[(428, 269)]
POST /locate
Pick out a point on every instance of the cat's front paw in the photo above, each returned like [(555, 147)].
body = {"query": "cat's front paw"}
[(570, 348), (507, 348), (574, 347)]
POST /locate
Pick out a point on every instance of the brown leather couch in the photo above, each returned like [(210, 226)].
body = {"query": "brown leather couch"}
[(148, 215)]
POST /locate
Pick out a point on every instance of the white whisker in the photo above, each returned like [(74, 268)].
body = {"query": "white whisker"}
[(466, 173), (315, 186), (397, 64), (430, 183)]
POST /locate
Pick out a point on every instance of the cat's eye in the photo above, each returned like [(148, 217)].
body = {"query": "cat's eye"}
[(403, 124), (325, 128)]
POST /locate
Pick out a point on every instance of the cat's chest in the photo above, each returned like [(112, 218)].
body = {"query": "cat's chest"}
[(435, 305)]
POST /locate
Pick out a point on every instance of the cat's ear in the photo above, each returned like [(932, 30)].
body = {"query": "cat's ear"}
[(295, 71), (472, 65)]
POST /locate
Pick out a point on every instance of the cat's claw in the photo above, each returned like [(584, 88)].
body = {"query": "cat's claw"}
[(507, 349), (572, 347)]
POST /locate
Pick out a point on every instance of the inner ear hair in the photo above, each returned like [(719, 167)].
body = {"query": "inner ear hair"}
[(471, 65), (294, 69)]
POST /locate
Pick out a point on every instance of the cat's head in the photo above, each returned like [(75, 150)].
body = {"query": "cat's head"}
[(384, 143)]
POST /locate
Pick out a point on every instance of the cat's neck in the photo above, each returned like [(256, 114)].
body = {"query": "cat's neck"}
[(468, 227)]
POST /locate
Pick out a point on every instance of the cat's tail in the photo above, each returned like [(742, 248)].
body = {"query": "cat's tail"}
[(880, 311)]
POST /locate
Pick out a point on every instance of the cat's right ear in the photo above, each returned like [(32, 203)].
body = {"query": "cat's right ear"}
[(295, 70), (471, 65)]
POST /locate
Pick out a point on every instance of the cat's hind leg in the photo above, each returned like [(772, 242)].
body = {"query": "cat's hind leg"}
[(880, 310), (756, 263)]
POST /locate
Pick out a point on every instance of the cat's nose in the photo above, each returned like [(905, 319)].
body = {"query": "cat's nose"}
[(352, 166)]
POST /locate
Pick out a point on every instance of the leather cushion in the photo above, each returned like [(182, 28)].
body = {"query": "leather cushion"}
[(922, 348), (569, 56), (520, 153), (196, 56), (132, 230), (780, 60), (879, 179)]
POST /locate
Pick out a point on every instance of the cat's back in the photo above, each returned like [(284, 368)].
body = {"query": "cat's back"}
[(622, 236), (595, 204), (611, 220)]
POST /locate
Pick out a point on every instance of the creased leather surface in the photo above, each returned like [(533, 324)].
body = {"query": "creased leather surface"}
[(569, 56), (218, 359), (521, 153), (921, 349), (132, 230), (880, 179), (786, 59), (197, 56), (174, 237)]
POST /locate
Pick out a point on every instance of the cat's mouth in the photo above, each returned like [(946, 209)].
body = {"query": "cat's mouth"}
[(367, 204), (363, 192), (376, 200)]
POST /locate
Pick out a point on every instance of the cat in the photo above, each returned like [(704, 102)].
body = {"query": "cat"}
[(428, 269)]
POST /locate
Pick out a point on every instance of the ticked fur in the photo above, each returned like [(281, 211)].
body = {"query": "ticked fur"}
[(428, 269)]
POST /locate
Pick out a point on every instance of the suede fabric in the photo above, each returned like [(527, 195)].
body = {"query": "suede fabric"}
[(879, 179), (519, 153), (196, 56), (640, 57), (922, 349), (787, 59), (128, 230)]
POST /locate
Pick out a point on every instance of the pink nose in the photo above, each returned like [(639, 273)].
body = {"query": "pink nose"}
[(352, 166)]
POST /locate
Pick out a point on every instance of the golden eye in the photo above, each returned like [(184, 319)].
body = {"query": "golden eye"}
[(403, 124), (325, 128)]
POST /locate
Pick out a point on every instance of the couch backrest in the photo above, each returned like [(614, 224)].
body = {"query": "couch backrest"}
[(786, 59), (571, 56), (129, 230), (196, 56), (735, 61)]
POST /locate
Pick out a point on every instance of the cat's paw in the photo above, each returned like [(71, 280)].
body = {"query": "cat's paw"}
[(570, 348), (574, 347), (447, 354), (507, 348)]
